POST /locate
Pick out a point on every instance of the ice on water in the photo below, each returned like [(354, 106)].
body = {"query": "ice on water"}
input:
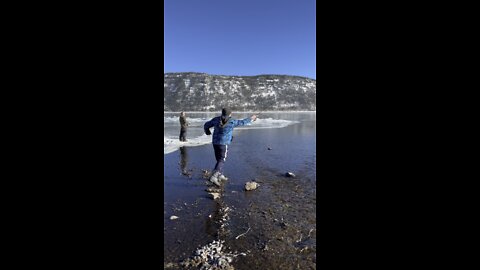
[(172, 144), (195, 134)]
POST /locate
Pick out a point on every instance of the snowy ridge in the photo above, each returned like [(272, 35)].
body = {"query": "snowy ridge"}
[(203, 92)]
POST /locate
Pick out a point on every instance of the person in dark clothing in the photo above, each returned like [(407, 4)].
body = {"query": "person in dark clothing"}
[(183, 127), (222, 136)]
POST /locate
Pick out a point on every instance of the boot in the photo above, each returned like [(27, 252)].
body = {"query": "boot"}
[(214, 178), (222, 177)]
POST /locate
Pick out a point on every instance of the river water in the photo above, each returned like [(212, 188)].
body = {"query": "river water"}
[(272, 227)]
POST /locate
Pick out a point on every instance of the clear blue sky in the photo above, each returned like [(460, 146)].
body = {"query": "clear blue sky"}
[(240, 37)]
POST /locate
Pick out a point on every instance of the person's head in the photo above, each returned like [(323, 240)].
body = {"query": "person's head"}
[(182, 113), (226, 113)]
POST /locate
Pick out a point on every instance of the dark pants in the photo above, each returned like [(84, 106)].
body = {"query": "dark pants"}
[(183, 135), (220, 156)]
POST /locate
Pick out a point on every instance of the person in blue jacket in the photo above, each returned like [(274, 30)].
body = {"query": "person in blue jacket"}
[(222, 136)]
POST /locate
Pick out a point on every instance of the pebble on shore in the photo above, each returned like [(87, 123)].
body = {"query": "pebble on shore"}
[(173, 217), (210, 256)]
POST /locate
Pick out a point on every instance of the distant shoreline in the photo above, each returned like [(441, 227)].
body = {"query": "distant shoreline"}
[(236, 76), (241, 111)]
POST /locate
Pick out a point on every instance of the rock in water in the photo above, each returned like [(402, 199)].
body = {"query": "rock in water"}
[(269, 148), (206, 174), (212, 189), (251, 185), (173, 217), (215, 195), (289, 174), (210, 257)]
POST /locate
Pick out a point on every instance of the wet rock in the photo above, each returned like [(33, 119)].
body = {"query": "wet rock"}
[(187, 173), (306, 245), (214, 195), (169, 265), (269, 148), (289, 174), (213, 189), (206, 174), (222, 262), (251, 185), (211, 256), (173, 217)]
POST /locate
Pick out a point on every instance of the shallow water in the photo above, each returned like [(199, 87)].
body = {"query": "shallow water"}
[(196, 121), (279, 216)]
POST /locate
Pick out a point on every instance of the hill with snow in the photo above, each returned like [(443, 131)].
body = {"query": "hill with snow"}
[(203, 92)]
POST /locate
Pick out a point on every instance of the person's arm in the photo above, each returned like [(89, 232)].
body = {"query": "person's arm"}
[(245, 121), (207, 127)]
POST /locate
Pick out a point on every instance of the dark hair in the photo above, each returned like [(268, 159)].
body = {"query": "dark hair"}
[(226, 112)]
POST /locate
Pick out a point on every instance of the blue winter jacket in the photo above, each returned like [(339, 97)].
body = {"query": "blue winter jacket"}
[(223, 135)]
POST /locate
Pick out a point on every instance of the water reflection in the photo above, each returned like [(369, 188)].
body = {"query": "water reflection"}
[(213, 222), (216, 222), (184, 162)]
